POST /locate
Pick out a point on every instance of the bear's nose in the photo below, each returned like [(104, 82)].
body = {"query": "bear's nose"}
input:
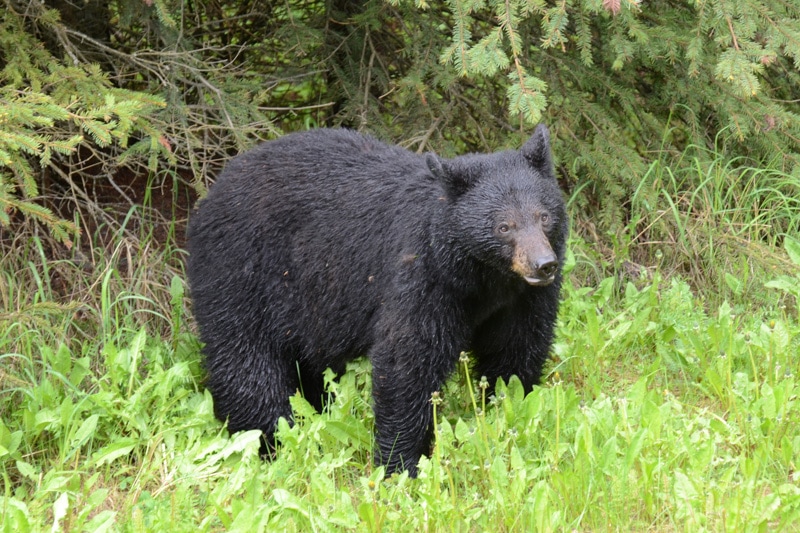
[(546, 267)]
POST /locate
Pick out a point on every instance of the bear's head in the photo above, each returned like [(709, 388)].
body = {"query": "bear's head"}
[(506, 209)]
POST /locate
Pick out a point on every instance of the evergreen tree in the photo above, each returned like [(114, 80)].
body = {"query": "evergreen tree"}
[(619, 82)]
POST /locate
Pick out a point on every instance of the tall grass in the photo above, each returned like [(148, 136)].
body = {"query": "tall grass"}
[(664, 418), (717, 223), (672, 402)]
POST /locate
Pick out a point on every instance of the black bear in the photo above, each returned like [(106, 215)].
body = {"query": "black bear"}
[(326, 245)]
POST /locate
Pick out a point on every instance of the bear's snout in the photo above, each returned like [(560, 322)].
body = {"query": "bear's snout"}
[(544, 271), (534, 259)]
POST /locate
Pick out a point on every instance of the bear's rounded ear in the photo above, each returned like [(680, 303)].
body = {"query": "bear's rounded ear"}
[(537, 149), (435, 165), (450, 174)]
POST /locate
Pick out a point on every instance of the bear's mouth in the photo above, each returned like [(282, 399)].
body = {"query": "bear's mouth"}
[(539, 282)]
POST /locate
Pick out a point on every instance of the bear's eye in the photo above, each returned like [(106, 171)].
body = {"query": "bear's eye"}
[(545, 217), (503, 228)]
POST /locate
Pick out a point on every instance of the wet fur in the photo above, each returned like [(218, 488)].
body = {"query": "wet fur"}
[(326, 245)]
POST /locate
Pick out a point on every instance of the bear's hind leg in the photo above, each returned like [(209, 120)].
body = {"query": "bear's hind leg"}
[(252, 391), (312, 386)]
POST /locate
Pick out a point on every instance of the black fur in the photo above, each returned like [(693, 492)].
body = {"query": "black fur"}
[(325, 245)]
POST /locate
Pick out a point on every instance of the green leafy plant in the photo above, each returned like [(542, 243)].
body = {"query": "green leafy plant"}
[(658, 402), (789, 285)]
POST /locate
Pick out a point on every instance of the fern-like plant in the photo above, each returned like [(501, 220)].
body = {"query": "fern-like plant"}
[(50, 107)]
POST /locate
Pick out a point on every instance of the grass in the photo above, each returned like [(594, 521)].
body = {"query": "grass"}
[(672, 402), (716, 223)]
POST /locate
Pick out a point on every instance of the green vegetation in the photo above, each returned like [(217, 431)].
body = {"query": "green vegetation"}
[(657, 414), (673, 399)]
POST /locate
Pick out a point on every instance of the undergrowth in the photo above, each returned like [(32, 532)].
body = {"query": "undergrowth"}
[(656, 415), (671, 404), (717, 223)]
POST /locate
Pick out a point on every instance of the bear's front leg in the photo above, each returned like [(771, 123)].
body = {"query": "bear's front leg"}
[(517, 340), (403, 381)]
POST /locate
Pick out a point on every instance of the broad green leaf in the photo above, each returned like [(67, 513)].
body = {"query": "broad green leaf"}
[(112, 452), (85, 432), (59, 511), (793, 249)]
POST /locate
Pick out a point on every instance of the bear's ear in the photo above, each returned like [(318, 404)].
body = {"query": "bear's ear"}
[(537, 149), (435, 165), (449, 174)]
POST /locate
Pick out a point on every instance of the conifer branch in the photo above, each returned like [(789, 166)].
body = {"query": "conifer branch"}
[(733, 34)]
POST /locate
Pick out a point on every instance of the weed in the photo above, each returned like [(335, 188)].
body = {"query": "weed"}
[(669, 405)]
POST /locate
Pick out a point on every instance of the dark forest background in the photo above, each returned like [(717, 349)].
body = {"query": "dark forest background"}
[(115, 116)]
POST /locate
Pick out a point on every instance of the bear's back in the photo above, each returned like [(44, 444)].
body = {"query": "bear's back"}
[(320, 161), (309, 229)]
